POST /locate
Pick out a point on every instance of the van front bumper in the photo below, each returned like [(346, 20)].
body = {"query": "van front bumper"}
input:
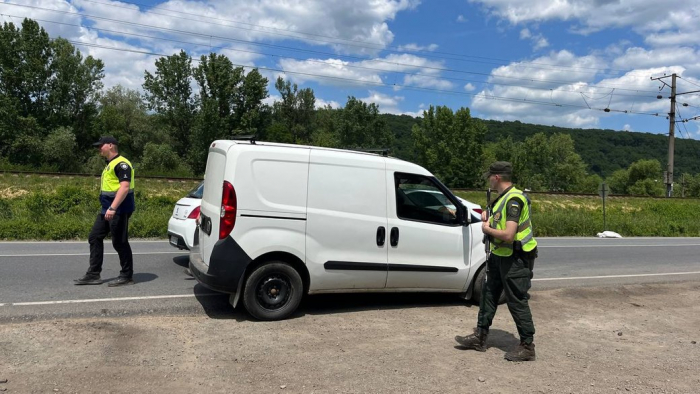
[(227, 265)]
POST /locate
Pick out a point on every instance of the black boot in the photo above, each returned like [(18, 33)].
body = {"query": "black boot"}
[(475, 341), (522, 352)]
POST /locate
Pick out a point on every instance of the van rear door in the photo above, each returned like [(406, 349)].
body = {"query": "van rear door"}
[(211, 200)]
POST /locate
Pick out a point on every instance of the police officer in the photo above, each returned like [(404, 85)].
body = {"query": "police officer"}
[(117, 200), (513, 253)]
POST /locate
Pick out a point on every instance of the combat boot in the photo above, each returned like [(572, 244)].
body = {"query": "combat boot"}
[(522, 352), (475, 341)]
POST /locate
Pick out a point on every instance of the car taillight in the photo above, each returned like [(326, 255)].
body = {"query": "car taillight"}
[(478, 210), (228, 210), (193, 214)]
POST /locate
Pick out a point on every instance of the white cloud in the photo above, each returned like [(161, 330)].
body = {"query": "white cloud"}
[(321, 103), (566, 103), (389, 104), (674, 21), (627, 127), (314, 21), (461, 19), (417, 48), (469, 87), (378, 71), (538, 40)]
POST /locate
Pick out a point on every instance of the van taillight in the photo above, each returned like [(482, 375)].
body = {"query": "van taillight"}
[(478, 210), (228, 210)]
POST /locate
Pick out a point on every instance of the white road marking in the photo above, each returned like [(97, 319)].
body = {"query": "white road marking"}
[(107, 299), (84, 254), (617, 276), (131, 241), (611, 246)]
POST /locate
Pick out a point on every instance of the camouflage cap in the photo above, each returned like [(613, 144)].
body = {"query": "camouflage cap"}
[(499, 168)]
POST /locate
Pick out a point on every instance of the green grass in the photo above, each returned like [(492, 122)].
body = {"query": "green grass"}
[(36, 207), (556, 215)]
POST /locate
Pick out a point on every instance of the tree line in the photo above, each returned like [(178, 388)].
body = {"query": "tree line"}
[(53, 106)]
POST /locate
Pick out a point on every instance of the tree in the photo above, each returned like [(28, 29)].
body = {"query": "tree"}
[(451, 146), (44, 85), (169, 94), (123, 114), (359, 125), (544, 163), (294, 113)]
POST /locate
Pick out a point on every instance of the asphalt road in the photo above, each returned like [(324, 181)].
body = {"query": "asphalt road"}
[(36, 278)]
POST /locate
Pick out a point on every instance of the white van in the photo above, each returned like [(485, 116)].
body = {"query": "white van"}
[(279, 221)]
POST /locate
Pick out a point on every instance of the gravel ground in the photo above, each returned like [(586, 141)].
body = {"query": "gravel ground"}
[(636, 338)]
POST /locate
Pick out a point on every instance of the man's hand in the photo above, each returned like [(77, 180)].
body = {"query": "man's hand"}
[(485, 227), (484, 218), (109, 215)]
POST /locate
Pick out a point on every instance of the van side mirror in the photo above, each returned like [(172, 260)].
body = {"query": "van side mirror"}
[(464, 217)]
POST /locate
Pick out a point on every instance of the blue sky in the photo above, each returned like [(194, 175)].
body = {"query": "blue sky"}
[(539, 61)]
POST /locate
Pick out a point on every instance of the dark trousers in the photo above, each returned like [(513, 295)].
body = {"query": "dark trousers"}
[(514, 276), (119, 227)]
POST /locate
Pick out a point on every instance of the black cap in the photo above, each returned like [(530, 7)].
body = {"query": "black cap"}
[(106, 140), (499, 168)]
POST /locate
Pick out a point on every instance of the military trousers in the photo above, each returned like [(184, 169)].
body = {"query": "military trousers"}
[(512, 275)]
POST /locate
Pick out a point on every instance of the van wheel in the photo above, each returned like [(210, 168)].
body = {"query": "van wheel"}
[(479, 284), (273, 291)]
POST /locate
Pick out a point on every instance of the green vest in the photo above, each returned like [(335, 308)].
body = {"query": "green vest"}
[(524, 233), (110, 182)]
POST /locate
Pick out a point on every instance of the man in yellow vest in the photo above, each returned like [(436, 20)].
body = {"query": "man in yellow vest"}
[(117, 200), (510, 264)]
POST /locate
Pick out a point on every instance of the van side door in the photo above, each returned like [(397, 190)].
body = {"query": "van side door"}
[(428, 246), (346, 233)]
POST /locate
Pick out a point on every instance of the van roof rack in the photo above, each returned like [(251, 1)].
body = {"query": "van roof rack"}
[(384, 152), (250, 137)]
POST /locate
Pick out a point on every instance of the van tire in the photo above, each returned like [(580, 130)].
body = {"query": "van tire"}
[(479, 284), (273, 291)]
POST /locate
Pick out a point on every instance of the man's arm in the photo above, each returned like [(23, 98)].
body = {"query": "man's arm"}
[(118, 198), (513, 209), (507, 235)]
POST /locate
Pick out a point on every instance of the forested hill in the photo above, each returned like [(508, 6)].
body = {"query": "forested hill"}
[(603, 150)]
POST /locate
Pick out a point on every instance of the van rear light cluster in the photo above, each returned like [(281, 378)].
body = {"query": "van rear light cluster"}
[(478, 210), (229, 204), (194, 213)]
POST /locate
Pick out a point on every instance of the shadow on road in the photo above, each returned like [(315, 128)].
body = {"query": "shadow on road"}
[(498, 339), (217, 306), (341, 303), (142, 277), (182, 261)]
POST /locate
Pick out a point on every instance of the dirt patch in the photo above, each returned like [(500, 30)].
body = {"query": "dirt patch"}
[(639, 338)]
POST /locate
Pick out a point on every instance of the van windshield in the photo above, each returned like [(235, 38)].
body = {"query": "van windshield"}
[(197, 192)]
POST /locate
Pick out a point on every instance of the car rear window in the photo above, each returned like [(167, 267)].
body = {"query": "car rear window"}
[(197, 192)]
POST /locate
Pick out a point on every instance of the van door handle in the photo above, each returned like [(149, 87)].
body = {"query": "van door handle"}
[(381, 235), (394, 236)]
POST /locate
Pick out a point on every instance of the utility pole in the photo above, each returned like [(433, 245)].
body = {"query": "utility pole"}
[(668, 174)]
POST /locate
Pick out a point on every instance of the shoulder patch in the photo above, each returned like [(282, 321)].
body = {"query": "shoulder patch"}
[(124, 166), (513, 208)]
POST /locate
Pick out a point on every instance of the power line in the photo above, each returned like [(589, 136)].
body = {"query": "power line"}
[(209, 36), (367, 46), (435, 77), (361, 82)]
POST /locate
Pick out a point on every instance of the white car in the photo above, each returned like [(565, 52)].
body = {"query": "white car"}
[(182, 226)]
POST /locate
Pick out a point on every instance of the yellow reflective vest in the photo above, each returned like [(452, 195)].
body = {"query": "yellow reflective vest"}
[(524, 233), (109, 184)]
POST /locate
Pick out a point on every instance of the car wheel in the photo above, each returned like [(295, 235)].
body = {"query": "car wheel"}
[(272, 291), (479, 285)]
